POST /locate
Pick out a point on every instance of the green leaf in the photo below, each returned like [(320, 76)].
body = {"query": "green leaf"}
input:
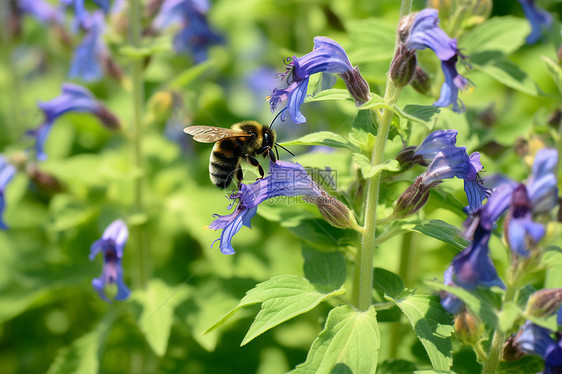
[(552, 256), (282, 298), (330, 94), (324, 268), (154, 310), (422, 113), (186, 77), (508, 73), (83, 355), (437, 229), (508, 315), (502, 34), (327, 138), (373, 40), (389, 283), (526, 364), (396, 367), (349, 343), (320, 234), (363, 130), (432, 325), (479, 302), (440, 198), (555, 71), (369, 170)]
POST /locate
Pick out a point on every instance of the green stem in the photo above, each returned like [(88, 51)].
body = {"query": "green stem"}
[(368, 242), (136, 129), (498, 339), (405, 258), (15, 125)]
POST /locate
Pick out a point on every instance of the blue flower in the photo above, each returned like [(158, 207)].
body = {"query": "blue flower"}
[(434, 143), (111, 245), (195, 35), (41, 10), (473, 267), (455, 162), (539, 19), (521, 231), (74, 98), (538, 340), (284, 179), (426, 33), (450, 302), (542, 183), (7, 171), (327, 56), (92, 53)]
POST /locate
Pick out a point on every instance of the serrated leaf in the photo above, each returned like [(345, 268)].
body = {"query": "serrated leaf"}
[(83, 355), (508, 73), (502, 34), (282, 298), (326, 138), (369, 170), (477, 301), (155, 311), (349, 343), (432, 325), (324, 268), (437, 229), (389, 283)]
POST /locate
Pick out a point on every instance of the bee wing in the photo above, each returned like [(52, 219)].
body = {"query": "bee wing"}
[(211, 134)]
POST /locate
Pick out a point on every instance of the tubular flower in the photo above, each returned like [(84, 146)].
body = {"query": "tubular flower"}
[(92, 54), (195, 35), (450, 302), (74, 98), (424, 32), (7, 172), (537, 340), (111, 245), (41, 10), (284, 179), (539, 19), (327, 56), (426, 152)]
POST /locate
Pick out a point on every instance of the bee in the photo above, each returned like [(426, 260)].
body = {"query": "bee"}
[(243, 141)]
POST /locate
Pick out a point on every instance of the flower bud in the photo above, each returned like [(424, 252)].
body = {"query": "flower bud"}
[(407, 158), (413, 199), (403, 66), (107, 118), (545, 302), (420, 82), (334, 211), (112, 69), (357, 86), (511, 349), (468, 327), (44, 181), (405, 26)]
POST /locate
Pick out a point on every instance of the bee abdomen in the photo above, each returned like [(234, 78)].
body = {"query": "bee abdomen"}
[(222, 167)]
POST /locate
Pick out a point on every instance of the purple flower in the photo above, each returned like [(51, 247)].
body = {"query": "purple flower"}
[(520, 229), (327, 56), (111, 245), (92, 53), (81, 15), (539, 19), (74, 98), (434, 143), (7, 171), (195, 35), (426, 33), (450, 302), (538, 340), (41, 10), (455, 162), (542, 183), (284, 179), (473, 267)]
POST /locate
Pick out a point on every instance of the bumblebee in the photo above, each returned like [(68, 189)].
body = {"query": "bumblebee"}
[(243, 141)]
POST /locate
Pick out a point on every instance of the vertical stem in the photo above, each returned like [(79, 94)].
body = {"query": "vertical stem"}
[(365, 265), (498, 339), (136, 130)]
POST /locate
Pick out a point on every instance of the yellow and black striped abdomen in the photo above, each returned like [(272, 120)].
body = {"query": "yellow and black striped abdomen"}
[(223, 162)]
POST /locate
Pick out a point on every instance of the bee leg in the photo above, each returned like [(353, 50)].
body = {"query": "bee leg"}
[(239, 176), (254, 162), (271, 156)]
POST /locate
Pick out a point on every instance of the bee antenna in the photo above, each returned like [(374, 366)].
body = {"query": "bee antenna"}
[(277, 115), (291, 153)]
